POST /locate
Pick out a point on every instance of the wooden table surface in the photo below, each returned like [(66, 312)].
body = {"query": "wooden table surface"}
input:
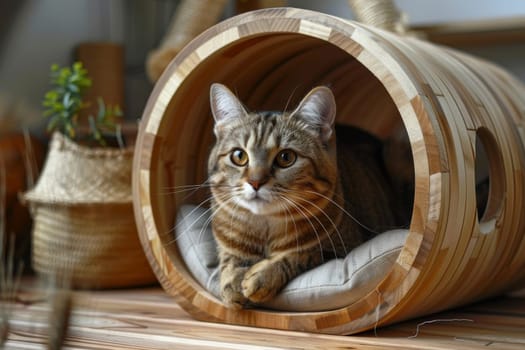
[(147, 318)]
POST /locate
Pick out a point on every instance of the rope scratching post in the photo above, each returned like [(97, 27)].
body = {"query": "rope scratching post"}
[(191, 19), (447, 102), (378, 13)]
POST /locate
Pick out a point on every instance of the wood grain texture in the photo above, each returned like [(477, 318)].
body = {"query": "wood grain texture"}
[(444, 99), (147, 318), (498, 31)]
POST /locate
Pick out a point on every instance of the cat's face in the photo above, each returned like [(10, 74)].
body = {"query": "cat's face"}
[(268, 162)]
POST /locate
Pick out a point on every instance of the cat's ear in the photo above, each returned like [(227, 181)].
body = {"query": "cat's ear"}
[(224, 104), (318, 109)]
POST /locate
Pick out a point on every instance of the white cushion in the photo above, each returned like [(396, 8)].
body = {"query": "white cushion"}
[(334, 284)]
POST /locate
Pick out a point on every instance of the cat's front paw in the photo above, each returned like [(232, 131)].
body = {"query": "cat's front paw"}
[(231, 290), (233, 297), (261, 282)]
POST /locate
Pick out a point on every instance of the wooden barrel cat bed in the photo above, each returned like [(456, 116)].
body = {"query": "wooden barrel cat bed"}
[(445, 100)]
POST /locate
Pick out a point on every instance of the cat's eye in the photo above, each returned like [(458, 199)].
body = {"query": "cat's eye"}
[(239, 157), (285, 158)]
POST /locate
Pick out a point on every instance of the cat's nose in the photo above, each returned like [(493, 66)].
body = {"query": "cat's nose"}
[(256, 183)]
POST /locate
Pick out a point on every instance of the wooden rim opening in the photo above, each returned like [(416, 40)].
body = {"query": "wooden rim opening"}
[(490, 180), (263, 59), (443, 99)]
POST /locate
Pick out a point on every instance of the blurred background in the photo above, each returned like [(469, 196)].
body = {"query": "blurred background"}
[(125, 45), (37, 33)]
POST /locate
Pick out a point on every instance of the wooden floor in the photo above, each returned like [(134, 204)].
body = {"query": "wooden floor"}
[(149, 319)]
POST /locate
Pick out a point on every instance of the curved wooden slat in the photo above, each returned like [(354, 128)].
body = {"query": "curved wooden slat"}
[(442, 98)]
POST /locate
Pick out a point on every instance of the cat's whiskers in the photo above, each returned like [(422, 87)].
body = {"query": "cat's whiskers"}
[(286, 213), (183, 221), (170, 189), (333, 224), (205, 225), (344, 211), (177, 189), (314, 230), (327, 233), (206, 222), (322, 211), (233, 214), (193, 188), (223, 201), (289, 100), (174, 230), (234, 193)]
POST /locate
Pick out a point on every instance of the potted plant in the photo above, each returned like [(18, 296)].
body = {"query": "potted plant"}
[(82, 203), (64, 102)]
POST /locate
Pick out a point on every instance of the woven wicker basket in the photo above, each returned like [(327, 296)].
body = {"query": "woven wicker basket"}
[(83, 217)]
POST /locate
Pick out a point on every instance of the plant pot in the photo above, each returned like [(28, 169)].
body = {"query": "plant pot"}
[(83, 217)]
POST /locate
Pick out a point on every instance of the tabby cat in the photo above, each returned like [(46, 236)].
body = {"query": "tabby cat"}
[(286, 196)]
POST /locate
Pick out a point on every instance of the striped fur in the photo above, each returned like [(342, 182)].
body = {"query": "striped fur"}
[(272, 223)]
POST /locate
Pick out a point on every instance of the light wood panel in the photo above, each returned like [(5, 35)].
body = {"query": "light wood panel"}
[(382, 82), (147, 318)]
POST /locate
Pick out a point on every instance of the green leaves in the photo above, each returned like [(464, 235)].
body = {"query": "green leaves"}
[(104, 123), (64, 102)]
